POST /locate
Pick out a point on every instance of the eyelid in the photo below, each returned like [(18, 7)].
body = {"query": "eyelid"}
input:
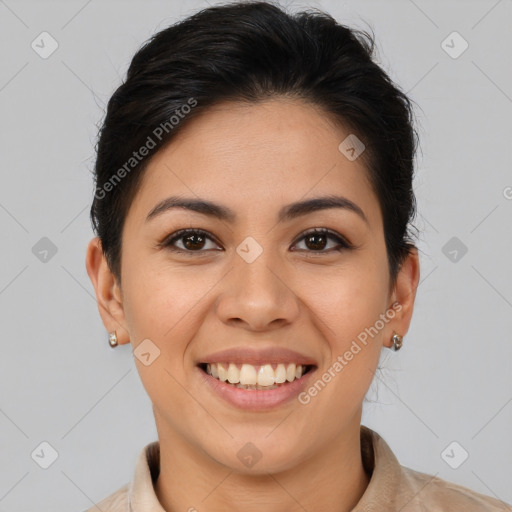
[(168, 241), (342, 241), (180, 233)]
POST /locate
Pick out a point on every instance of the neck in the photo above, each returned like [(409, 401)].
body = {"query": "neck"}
[(191, 480)]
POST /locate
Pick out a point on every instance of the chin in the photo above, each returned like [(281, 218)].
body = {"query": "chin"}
[(258, 455)]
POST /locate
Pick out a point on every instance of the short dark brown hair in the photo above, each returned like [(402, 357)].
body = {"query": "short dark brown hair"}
[(252, 51)]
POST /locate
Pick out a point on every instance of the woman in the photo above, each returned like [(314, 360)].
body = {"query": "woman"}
[(253, 206)]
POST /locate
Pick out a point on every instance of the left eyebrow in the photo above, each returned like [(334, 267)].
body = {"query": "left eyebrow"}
[(295, 210), (286, 213)]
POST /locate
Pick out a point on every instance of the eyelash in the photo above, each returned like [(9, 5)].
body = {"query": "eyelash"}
[(343, 244)]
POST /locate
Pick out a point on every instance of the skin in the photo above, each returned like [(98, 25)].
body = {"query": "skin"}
[(255, 159)]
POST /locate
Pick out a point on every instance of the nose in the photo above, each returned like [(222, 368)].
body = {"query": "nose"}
[(256, 296)]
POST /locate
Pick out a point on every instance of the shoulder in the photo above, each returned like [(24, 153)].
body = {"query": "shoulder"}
[(116, 502), (427, 492), (395, 487)]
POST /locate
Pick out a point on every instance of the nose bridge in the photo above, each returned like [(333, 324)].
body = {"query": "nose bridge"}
[(255, 292), (256, 276), (256, 281)]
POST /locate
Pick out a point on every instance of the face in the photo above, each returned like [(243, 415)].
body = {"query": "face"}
[(254, 281)]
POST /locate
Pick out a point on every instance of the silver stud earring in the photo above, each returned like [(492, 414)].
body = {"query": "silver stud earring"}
[(397, 342), (112, 339)]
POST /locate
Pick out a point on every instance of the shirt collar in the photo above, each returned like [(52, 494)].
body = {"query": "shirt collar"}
[(378, 460), (141, 493), (384, 470)]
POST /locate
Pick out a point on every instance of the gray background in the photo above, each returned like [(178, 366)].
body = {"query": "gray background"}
[(59, 380)]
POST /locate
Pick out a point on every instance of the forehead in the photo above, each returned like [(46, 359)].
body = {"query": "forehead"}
[(258, 155)]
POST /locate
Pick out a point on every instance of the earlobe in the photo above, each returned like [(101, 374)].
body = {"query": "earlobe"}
[(108, 296)]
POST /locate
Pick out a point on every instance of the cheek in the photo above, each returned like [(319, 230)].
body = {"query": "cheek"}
[(349, 314), (166, 305), (347, 299), (153, 298)]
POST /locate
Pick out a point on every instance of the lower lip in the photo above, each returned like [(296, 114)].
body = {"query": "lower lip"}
[(256, 399)]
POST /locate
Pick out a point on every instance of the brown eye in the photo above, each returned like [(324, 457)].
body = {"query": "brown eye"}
[(315, 241), (193, 241), (189, 240), (318, 239)]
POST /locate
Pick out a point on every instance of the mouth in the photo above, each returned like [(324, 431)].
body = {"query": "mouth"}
[(261, 377), (256, 380)]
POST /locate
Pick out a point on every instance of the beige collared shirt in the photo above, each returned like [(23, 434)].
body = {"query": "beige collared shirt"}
[(392, 487)]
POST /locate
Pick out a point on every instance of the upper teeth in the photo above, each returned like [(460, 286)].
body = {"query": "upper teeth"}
[(263, 375)]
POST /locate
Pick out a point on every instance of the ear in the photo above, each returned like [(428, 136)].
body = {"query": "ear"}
[(108, 291), (403, 295)]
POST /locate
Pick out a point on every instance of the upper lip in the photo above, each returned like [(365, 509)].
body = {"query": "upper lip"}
[(274, 355)]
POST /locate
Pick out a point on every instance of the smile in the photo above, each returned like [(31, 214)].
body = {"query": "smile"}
[(260, 377), (256, 380)]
